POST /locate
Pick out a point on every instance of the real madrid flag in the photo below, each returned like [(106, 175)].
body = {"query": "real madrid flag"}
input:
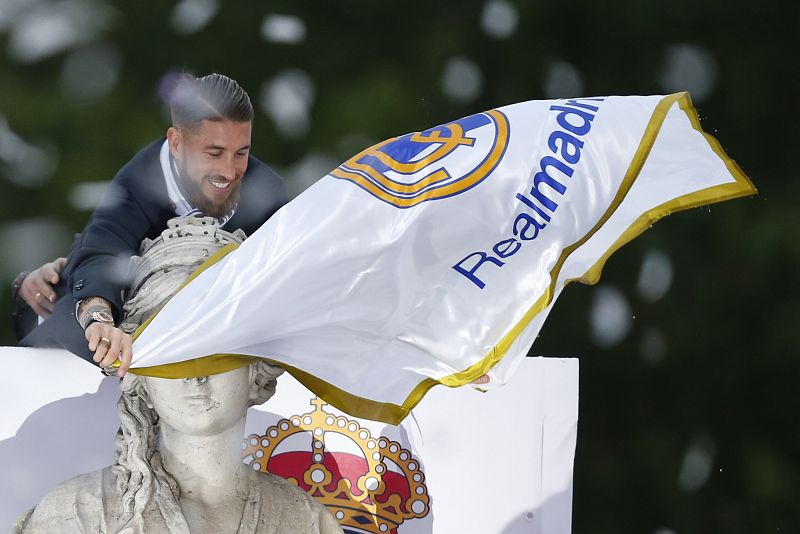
[(432, 257)]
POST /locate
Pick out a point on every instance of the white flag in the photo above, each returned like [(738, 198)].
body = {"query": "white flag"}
[(429, 258)]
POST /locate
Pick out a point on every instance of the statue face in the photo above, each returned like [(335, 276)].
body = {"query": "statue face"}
[(201, 406)]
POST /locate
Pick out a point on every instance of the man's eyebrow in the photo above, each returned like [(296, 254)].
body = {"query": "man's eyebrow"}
[(219, 147)]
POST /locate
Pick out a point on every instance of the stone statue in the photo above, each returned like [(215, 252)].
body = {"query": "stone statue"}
[(178, 465)]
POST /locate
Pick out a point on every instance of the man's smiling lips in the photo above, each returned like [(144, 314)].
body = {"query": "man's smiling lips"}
[(220, 185)]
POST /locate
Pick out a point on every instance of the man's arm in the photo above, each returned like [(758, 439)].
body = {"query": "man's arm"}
[(99, 277), (134, 203)]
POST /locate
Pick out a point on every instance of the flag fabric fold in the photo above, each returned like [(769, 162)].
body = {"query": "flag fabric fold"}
[(435, 257)]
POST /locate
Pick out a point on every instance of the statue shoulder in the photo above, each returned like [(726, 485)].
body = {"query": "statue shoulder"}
[(75, 505)]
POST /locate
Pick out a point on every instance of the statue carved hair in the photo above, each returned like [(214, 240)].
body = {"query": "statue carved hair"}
[(163, 265)]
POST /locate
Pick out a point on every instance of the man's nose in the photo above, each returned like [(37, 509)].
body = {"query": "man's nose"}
[(228, 168)]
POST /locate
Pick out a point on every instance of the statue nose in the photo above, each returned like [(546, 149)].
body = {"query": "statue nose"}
[(197, 380)]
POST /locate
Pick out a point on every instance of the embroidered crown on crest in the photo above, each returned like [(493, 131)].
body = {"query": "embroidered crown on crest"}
[(373, 492)]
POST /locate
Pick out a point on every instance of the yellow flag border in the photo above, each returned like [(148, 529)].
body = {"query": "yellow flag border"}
[(393, 413)]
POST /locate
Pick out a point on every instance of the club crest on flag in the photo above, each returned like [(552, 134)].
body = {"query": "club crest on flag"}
[(369, 484), (433, 164)]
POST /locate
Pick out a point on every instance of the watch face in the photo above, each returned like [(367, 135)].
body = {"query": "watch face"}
[(102, 317)]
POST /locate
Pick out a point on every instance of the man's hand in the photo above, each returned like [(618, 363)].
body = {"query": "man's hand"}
[(109, 343), (106, 340), (37, 288)]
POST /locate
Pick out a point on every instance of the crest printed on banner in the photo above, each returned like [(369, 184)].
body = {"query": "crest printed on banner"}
[(371, 487), (437, 163)]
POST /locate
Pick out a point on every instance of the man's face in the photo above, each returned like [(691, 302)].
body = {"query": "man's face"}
[(212, 159)]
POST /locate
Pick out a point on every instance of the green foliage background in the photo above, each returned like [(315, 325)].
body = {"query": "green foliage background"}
[(727, 382)]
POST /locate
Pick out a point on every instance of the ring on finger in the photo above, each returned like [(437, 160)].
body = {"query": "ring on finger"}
[(38, 296), (105, 342)]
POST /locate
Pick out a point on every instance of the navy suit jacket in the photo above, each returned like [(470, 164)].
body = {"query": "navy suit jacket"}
[(135, 206)]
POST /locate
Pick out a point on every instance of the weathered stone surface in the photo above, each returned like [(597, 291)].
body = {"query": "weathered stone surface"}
[(178, 465)]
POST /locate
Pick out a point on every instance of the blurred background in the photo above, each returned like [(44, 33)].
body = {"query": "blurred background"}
[(689, 343)]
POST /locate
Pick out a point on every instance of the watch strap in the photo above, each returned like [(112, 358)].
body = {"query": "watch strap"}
[(92, 316)]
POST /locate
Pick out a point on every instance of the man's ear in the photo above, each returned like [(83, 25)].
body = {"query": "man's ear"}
[(175, 141)]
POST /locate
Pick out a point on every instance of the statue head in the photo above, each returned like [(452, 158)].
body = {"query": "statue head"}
[(201, 406), (194, 406)]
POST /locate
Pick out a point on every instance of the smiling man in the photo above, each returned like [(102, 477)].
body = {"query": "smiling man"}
[(208, 145), (203, 167), (214, 179)]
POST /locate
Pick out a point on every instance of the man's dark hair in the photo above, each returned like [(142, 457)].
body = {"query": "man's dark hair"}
[(214, 97)]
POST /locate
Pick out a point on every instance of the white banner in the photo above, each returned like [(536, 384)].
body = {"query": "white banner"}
[(468, 462), (429, 258)]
